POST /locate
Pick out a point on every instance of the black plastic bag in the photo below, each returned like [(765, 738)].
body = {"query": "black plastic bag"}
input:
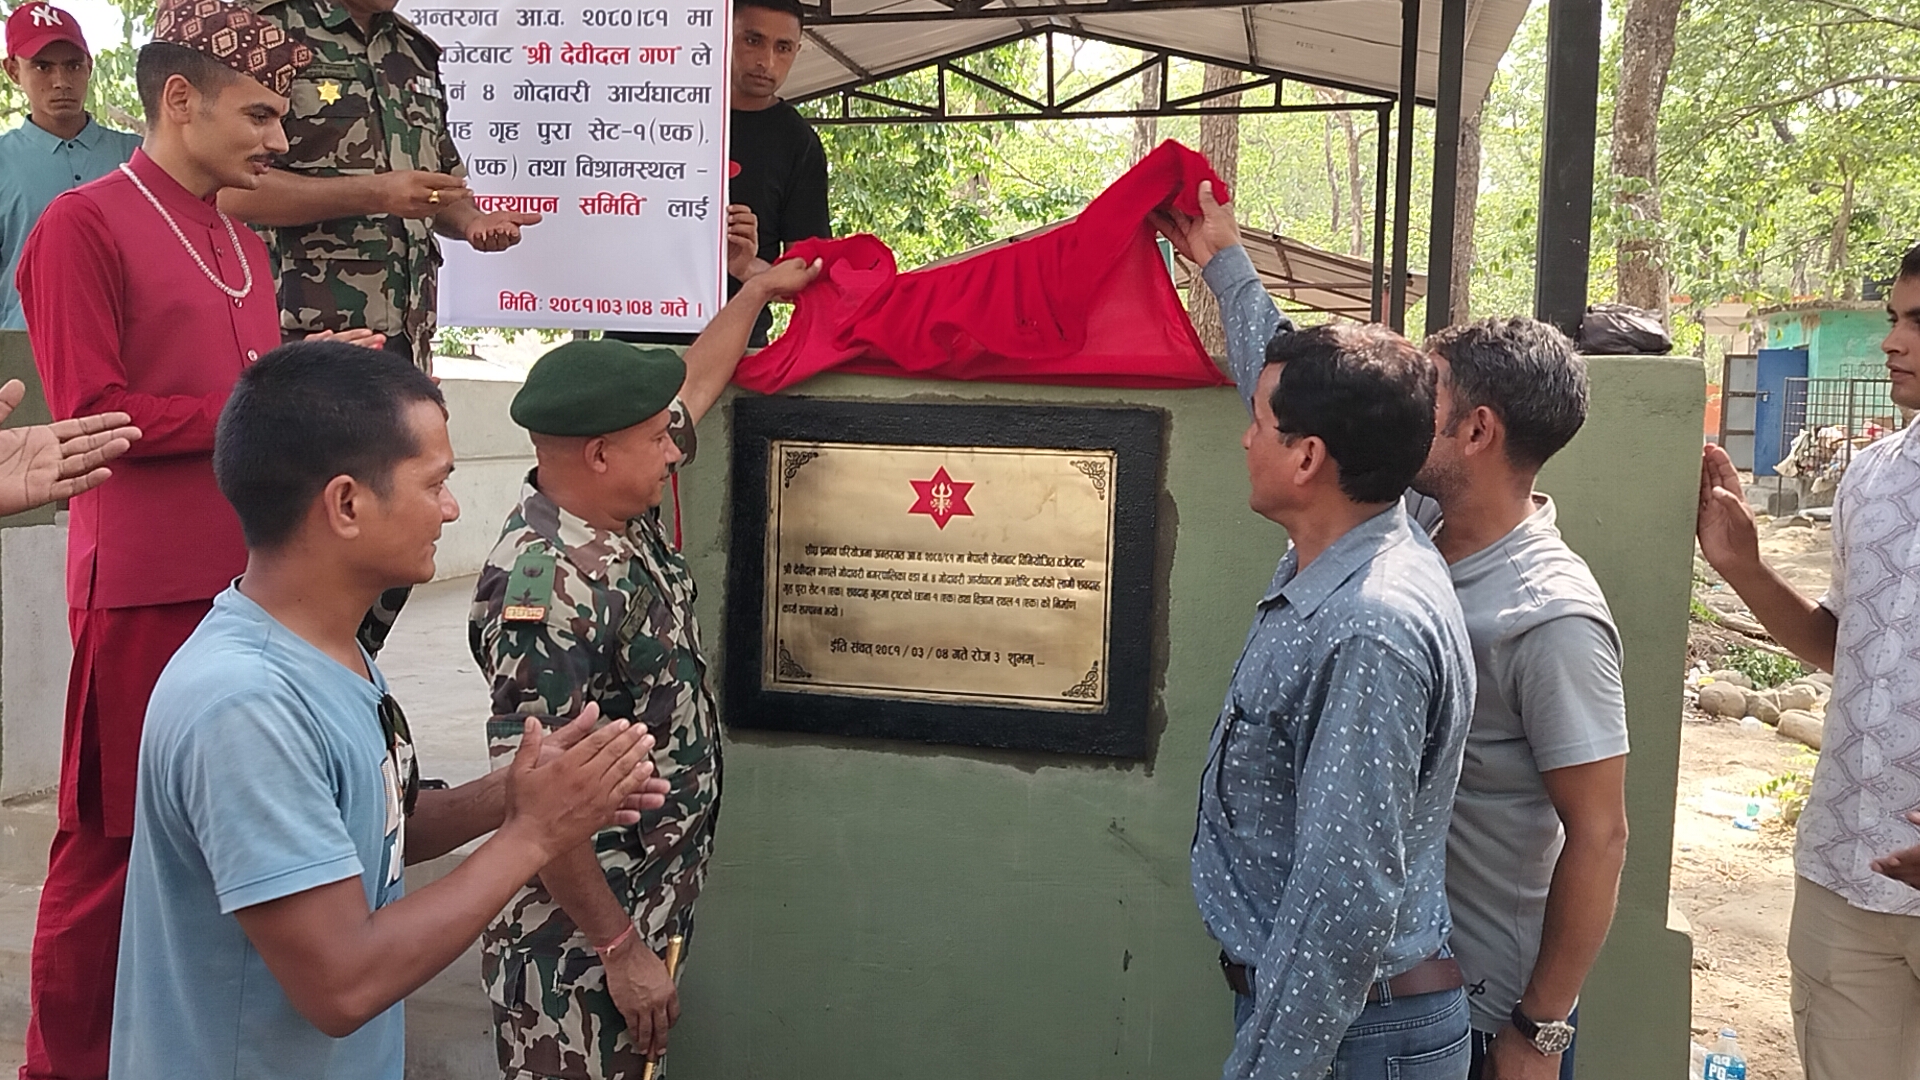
[(1622, 330)]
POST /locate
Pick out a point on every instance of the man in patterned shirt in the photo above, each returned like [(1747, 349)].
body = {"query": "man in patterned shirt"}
[(585, 599), (370, 175), (1319, 859), (1854, 943)]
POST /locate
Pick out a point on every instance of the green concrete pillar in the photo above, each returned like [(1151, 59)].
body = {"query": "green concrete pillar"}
[(884, 910), (1627, 489)]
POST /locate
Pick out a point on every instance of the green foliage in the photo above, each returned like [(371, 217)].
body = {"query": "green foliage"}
[(933, 190), (1700, 612), (1512, 125), (1782, 170), (1765, 668), (1790, 789)]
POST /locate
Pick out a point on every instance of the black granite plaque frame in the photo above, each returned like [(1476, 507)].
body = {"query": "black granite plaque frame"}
[(1136, 436)]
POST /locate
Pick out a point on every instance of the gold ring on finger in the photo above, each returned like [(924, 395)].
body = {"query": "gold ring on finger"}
[(434, 197)]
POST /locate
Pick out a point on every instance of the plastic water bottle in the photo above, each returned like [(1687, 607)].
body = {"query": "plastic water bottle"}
[(1725, 1063)]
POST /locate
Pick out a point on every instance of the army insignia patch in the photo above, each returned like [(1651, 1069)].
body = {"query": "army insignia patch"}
[(530, 590), (329, 92)]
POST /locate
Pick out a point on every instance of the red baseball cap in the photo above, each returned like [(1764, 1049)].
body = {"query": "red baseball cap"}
[(35, 25)]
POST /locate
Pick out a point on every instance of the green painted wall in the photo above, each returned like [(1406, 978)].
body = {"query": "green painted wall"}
[(1842, 343), (890, 910)]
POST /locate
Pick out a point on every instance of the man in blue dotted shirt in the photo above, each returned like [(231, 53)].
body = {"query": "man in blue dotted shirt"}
[(59, 146), (1319, 858)]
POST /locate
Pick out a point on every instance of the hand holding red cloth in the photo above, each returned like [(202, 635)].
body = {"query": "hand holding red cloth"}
[(1088, 303)]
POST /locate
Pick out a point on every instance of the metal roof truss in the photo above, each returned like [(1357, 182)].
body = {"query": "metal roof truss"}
[(874, 101), (864, 46)]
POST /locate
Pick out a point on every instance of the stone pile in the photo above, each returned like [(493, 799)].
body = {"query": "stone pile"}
[(1797, 709)]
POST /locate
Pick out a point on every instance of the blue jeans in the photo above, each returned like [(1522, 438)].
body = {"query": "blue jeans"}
[(1411, 1038), (1483, 1045)]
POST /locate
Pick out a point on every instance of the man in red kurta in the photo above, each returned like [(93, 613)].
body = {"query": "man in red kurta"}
[(141, 297)]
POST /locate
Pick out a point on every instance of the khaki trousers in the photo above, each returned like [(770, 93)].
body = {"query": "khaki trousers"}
[(1856, 988)]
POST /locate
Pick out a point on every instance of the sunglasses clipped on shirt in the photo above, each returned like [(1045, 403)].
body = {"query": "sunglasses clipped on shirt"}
[(393, 724)]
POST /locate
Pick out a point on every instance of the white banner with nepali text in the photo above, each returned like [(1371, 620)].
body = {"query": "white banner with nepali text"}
[(612, 123)]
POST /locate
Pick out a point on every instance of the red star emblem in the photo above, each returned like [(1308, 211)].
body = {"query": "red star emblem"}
[(941, 498)]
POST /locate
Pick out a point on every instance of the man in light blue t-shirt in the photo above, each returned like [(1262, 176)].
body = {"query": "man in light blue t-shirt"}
[(265, 931)]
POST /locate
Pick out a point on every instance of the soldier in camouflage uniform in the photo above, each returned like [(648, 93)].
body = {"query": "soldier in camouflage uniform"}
[(370, 175), (585, 598)]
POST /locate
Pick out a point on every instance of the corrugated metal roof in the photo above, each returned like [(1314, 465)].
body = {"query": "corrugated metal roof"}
[(1346, 42), (1311, 277), (1291, 270)]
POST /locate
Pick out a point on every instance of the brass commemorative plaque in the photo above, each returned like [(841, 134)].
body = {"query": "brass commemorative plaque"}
[(971, 574), (939, 573)]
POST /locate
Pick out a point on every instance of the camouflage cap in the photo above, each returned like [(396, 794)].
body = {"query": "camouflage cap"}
[(585, 388), (235, 37)]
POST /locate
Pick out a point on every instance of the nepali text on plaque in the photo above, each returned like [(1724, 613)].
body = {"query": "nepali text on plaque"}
[(976, 575)]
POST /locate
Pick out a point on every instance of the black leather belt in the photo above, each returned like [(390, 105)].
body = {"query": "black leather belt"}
[(1429, 976)]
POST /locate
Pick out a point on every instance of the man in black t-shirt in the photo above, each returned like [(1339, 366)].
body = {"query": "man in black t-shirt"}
[(779, 171)]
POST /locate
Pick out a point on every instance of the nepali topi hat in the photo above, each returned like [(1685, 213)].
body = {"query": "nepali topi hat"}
[(587, 388), (236, 38)]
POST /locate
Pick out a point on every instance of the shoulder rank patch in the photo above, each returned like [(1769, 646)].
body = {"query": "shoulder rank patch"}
[(530, 589)]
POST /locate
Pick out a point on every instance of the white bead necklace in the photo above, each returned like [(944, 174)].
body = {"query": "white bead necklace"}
[(246, 270)]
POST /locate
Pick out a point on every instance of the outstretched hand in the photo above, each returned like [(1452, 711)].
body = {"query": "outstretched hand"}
[(44, 463), (359, 335), (1199, 238), (1729, 537), (499, 230)]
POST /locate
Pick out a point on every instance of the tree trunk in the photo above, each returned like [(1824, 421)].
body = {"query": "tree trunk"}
[(1357, 235), (1466, 203), (1220, 142), (1333, 174), (1837, 242), (1146, 129), (1356, 221), (1646, 53)]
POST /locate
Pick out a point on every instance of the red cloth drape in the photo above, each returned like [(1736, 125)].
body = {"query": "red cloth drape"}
[(1089, 303)]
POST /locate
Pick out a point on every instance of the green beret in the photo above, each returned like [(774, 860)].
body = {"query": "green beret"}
[(586, 388)]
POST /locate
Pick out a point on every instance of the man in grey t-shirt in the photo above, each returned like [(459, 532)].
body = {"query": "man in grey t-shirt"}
[(1539, 828)]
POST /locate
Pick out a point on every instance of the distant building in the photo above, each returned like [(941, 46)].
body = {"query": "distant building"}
[(1842, 337)]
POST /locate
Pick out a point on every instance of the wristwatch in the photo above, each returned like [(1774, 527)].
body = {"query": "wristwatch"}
[(1547, 1036)]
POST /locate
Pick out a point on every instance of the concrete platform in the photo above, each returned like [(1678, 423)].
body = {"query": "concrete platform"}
[(430, 671)]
